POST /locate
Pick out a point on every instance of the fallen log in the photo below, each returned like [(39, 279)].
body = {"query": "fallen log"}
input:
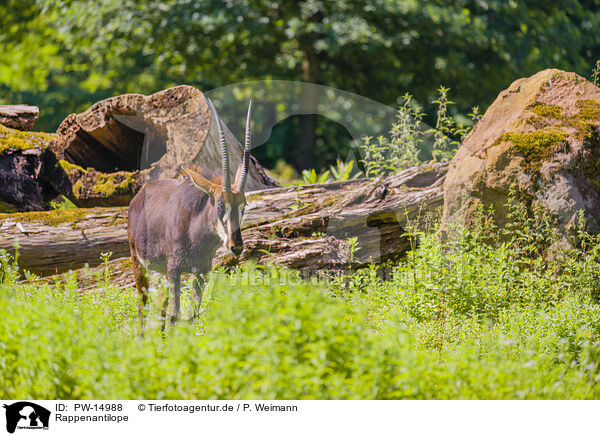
[(308, 228), (311, 228), (55, 241), (19, 116), (154, 134)]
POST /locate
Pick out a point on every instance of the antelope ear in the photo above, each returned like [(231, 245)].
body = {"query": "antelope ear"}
[(201, 182), (238, 174)]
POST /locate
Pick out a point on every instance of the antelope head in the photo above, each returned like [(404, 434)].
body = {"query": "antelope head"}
[(229, 201)]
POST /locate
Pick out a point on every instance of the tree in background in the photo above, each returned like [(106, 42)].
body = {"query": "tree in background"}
[(64, 55)]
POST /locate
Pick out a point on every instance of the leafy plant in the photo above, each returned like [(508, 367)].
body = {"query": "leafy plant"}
[(475, 115), (445, 128), (400, 151), (596, 73), (468, 314), (310, 176), (64, 203), (343, 171)]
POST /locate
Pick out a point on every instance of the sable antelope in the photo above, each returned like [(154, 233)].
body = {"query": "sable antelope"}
[(176, 225)]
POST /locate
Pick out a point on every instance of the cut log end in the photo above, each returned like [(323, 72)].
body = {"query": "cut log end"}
[(154, 134), (20, 116)]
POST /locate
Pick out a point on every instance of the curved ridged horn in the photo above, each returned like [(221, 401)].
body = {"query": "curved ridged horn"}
[(244, 176), (224, 154)]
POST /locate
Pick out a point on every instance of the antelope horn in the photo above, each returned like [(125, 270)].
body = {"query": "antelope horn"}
[(244, 176), (223, 145)]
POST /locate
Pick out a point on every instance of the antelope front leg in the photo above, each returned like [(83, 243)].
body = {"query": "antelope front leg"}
[(199, 285), (174, 277), (171, 298)]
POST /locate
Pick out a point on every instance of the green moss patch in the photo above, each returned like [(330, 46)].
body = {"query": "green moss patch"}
[(69, 168), (11, 139), (78, 189), (588, 109), (50, 218), (584, 122), (111, 184), (592, 170), (535, 147), (547, 110), (94, 185)]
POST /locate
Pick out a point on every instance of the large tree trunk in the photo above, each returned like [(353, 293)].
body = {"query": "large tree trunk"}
[(154, 134), (308, 228)]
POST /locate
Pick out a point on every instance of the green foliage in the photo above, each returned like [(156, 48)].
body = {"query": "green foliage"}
[(284, 173), (64, 203), (64, 55), (475, 115), (445, 128), (596, 74), (310, 177), (343, 171), (401, 150), (474, 314)]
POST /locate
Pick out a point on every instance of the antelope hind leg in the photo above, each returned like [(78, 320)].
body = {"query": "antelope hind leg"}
[(199, 285), (142, 284)]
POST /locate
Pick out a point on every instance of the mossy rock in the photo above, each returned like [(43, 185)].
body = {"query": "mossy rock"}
[(114, 184), (547, 110), (584, 122), (32, 177), (542, 134), (72, 170)]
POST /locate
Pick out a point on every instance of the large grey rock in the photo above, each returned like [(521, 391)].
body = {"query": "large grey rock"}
[(540, 135)]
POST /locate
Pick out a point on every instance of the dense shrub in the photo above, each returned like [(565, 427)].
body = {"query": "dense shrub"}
[(480, 314)]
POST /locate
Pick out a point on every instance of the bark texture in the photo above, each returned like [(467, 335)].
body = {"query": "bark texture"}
[(56, 241), (304, 227)]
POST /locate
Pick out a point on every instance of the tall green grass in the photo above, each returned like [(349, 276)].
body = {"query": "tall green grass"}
[(460, 317)]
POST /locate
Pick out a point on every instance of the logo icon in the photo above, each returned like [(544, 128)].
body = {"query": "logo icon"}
[(26, 415)]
